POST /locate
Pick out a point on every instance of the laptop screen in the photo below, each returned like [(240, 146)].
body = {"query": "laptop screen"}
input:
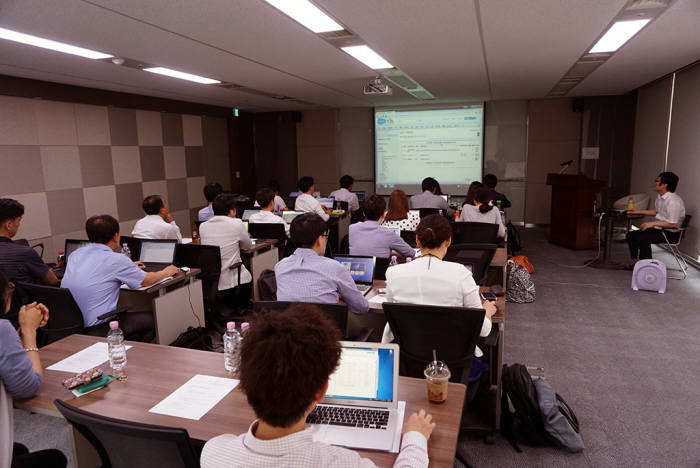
[(363, 374), (360, 195), (289, 216), (327, 202), (248, 213), (157, 252), (361, 268), (73, 245)]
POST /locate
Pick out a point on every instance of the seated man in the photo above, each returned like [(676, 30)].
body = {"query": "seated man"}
[(428, 199), (94, 275), (369, 238), (266, 199), (308, 276), (669, 213), (285, 362), (306, 202), (211, 191), (158, 222), (279, 202), (344, 193), (490, 181)]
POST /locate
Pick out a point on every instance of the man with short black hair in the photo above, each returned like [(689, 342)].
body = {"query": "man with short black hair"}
[(306, 202), (279, 202), (211, 191), (265, 197), (20, 263), (285, 363), (428, 199), (158, 222), (344, 193), (308, 276), (490, 180), (369, 238), (95, 273)]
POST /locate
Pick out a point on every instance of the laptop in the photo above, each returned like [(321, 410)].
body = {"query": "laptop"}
[(361, 269), (360, 409), (288, 216), (156, 254), (327, 202), (248, 213), (445, 197), (360, 195), (71, 246)]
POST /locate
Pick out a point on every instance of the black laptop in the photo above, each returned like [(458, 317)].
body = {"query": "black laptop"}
[(361, 269), (71, 246), (157, 254)]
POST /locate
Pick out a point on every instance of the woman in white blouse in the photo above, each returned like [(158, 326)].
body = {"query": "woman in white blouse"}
[(398, 215), (431, 281), (482, 211)]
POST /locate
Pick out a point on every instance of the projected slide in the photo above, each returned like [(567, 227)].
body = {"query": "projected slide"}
[(356, 375), (443, 143)]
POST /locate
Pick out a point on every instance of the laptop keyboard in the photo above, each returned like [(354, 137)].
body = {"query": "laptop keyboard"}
[(351, 417), (363, 288)]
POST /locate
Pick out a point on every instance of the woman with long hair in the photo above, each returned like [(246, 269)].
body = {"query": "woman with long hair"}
[(471, 192), (483, 211), (398, 215)]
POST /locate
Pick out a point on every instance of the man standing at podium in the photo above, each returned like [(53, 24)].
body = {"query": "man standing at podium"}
[(669, 213)]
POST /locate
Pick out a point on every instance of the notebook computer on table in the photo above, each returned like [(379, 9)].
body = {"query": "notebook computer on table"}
[(361, 269), (71, 246), (360, 409), (157, 254)]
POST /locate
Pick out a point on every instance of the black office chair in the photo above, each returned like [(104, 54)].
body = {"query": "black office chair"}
[(126, 444), (134, 245), (673, 238), (208, 259), (341, 205), (344, 245), (38, 247), (423, 212), (380, 267), (476, 256), (474, 233), (409, 237), (270, 231)]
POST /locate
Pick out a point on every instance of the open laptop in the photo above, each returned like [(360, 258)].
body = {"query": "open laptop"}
[(71, 246), (156, 254), (327, 202), (288, 216), (361, 269), (248, 213), (360, 409), (360, 195)]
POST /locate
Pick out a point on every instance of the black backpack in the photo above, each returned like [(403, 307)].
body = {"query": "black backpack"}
[(526, 421), (514, 245)]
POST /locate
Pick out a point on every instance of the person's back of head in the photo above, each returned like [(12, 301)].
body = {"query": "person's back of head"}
[(264, 197), (490, 180), (398, 206), (10, 209), (223, 204), (212, 190), (305, 183), (346, 181), (101, 229), (152, 204), (429, 184), (471, 192), (374, 207), (433, 230), (670, 179), (274, 186), (306, 228), (483, 197)]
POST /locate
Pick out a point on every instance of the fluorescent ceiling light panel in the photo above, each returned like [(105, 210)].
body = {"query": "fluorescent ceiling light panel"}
[(52, 45), (367, 56), (181, 75), (617, 35), (306, 13)]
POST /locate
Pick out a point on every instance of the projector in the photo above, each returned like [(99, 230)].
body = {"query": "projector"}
[(377, 86)]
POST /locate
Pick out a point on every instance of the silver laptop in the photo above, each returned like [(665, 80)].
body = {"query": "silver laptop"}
[(361, 269), (360, 409), (157, 254)]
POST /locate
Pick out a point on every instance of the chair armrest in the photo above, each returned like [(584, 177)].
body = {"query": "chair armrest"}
[(238, 266), (41, 246), (113, 313)]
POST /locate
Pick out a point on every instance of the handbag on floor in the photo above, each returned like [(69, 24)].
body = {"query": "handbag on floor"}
[(558, 417), (520, 288)]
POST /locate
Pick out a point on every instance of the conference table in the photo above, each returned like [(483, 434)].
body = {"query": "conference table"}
[(155, 371)]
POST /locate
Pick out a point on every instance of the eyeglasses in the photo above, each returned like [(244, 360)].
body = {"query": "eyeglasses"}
[(325, 234)]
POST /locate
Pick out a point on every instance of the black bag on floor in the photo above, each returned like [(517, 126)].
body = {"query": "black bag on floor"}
[(514, 244), (558, 417), (194, 338)]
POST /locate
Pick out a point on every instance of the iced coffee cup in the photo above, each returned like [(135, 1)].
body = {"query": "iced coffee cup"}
[(437, 375)]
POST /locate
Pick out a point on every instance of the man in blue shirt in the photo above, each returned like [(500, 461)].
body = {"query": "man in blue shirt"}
[(308, 276), (211, 191), (369, 238), (429, 198), (95, 273)]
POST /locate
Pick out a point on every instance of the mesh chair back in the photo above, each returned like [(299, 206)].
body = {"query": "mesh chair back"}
[(479, 256), (337, 313), (451, 331), (125, 444), (380, 267), (65, 317), (474, 233), (134, 245)]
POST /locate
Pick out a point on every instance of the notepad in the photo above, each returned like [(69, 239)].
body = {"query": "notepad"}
[(195, 397), (92, 356), (378, 299)]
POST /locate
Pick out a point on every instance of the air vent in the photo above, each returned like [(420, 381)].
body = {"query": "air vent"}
[(334, 35), (636, 5), (581, 69), (403, 81), (422, 94)]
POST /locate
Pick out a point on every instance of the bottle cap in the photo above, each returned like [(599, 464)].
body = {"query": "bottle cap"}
[(231, 325), (245, 326), (113, 325), (125, 244), (393, 257), (408, 259)]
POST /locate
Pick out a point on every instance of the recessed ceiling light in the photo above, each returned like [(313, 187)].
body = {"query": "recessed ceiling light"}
[(49, 44), (367, 56), (181, 75), (617, 35), (306, 13)]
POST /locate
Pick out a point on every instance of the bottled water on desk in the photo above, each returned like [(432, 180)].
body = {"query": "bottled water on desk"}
[(126, 250), (394, 261), (116, 349), (232, 342)]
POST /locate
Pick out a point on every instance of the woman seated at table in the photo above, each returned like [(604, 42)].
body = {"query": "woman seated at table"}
[(398, 215), (429, 280), (482, 211), (20, 376)]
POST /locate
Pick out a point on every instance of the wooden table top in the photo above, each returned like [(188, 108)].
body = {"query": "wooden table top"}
[(260, 244), (500, 257), (155, 371), (178, 278)]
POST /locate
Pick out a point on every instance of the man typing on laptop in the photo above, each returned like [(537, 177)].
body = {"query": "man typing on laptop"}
[(285, 364)]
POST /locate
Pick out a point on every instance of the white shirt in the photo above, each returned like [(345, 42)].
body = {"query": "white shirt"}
[(670, 208), (279, 204), (269, 218), (309, 204), (408, 224), (299, 450), (430, 281), (346, 195), (230, 235), (155, 227), (471, 213)]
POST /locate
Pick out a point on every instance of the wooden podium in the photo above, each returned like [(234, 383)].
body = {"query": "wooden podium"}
[(572, 223)]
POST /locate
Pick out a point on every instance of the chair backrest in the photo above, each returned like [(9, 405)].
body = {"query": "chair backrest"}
[(208, 259), (452, 332), (126, 444), (337, 313), (474, 233), (342, 205), (134, 245), (409, 237), (268, 231), (267, 285), (686, 222), (65, 317), (380, 267), (479, 256), (344, 245), (423, 212)]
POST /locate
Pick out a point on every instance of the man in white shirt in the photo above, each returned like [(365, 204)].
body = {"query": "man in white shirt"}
[(344, 193), (279, 202), (266, 199), (669, 213), (211, 191), (285, 363), (306, 202), (158, 222)]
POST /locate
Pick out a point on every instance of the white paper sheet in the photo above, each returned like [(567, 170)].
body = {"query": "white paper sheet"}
[(196, 397), (92, 356), (378, 299), (143, 288), (401, 410)]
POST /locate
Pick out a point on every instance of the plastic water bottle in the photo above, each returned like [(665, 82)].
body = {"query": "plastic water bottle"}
[(126, 250), (244, 328), (630, 204), (232, 341), (116, 349), (393, 261), (408, 259)]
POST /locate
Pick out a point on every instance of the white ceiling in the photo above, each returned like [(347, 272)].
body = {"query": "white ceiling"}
[(459, 50)]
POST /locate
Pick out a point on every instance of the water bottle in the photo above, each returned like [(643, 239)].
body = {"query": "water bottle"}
[(408, 259), (61, 260), (116, 349), (244, 328), (630, 204), (232, 341), (393, 261), (126, 250)]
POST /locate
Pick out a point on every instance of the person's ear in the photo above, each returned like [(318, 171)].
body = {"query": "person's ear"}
[(447, 243), (321, 393), (232, 213)]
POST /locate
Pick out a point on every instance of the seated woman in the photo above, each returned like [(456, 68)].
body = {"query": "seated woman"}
[(482, 211), (398, 215), (471, 192), (429, 280), (20, 376)]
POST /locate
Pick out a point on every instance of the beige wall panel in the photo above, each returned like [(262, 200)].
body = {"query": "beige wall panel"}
[(92, 125), (35, 223), (192, 130), (61, 167), (55, 123), (101, 200), (318, 128), (149, 128), (17, 121), (539, 203)]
